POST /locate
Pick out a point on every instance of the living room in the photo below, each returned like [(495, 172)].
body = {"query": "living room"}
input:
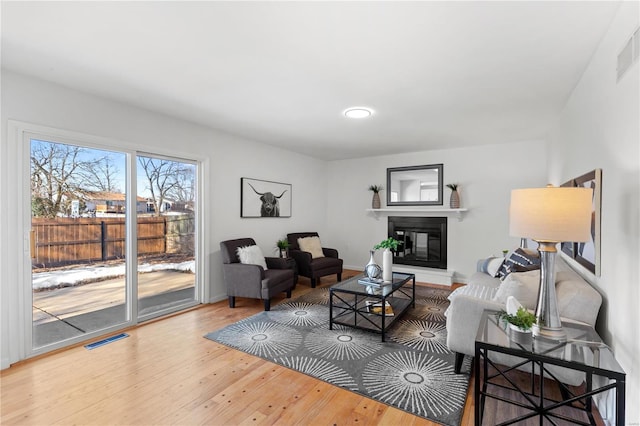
[(596, 127)]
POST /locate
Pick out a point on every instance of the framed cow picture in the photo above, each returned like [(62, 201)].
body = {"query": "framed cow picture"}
[(263, 198)]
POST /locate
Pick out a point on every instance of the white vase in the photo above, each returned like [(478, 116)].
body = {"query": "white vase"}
[(387, 265)]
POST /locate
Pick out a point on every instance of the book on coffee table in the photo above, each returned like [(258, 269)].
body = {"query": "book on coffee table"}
[(372, 281), (376, 308)]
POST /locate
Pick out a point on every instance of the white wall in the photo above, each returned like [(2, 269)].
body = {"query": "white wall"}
[(600, 128), (229, 158), (486, 176)]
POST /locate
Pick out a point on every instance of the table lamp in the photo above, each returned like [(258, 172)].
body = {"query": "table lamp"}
[(548, 216)]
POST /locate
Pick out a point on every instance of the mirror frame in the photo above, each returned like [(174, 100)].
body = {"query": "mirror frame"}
[(438, 202)]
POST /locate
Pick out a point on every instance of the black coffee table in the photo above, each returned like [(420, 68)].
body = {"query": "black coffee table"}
[(353, 304)]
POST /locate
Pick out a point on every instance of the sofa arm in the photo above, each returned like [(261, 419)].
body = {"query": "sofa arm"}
[(463, 319)]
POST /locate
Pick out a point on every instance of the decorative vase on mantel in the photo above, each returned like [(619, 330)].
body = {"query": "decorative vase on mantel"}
[(375, 201), (372, 269), (454, 200)]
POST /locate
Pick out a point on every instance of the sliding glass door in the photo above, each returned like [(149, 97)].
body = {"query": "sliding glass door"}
[(84, 223), (166, 234), (77, 240)]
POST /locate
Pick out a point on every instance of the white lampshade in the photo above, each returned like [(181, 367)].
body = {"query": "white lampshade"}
[(551, 214)]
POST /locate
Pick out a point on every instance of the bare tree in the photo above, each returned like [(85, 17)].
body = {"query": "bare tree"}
[(163, 178), (185, 190), (53, 180), (101, 174)]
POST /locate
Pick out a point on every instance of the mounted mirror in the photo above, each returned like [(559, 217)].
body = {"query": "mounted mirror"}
[(415, 186)]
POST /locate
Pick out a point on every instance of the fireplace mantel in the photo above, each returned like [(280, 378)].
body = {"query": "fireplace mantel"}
[(423, 211)]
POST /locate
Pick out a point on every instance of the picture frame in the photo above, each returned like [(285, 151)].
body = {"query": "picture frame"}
[(263, 198), (588, 254)]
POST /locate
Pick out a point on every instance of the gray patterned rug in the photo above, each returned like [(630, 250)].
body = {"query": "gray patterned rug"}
[(412, 370)]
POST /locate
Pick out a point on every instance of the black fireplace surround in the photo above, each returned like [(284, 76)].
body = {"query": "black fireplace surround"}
[(423, 241)]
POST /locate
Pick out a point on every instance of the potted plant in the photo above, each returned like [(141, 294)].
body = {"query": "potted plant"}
[(375, 202), (283, 247), (454, 200), (522, 320), (389, 245), (520, 324)]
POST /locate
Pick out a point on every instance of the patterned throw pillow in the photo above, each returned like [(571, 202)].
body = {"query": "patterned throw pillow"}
[(518, 260)]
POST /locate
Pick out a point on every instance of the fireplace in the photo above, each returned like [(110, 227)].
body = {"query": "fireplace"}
[(423, 241)]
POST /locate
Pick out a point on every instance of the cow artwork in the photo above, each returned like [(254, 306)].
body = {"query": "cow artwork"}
[(270, 205), (264, 199)]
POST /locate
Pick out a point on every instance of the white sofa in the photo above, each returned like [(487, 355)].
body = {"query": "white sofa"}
[(577, 301)]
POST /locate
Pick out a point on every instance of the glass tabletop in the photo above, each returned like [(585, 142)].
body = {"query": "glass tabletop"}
[(357, 285), (583, 346)]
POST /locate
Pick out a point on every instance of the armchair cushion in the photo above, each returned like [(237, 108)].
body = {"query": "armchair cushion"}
[(251, 255), (311, 245)]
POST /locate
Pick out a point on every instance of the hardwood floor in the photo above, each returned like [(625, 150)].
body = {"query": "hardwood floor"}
[(165, 372)]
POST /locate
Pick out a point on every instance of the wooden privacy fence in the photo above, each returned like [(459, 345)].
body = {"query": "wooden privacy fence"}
[(65, 240)]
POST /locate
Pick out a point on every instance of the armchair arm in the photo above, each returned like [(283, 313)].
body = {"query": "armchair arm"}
[(329, 252), (276, 263), (301, 257), (249, 275), (463, 319)]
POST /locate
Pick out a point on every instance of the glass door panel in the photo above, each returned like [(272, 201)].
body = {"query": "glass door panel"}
[(166, 225), (77, 240)]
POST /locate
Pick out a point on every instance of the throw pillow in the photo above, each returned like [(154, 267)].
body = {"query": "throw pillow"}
[(523, 286), (251, 255), (311, 245), (516, 259), (491, 265)]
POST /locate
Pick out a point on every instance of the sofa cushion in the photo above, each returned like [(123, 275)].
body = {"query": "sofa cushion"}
[(521, 285), (518, 258), (251, 255), (311, 245)]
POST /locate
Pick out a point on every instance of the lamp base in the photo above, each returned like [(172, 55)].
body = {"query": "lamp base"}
[(553, 334), (548, 324)]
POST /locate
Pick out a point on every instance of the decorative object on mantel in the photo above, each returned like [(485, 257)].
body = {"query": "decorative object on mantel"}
[(454, 200), (372, 270), (387, 257), (283, 248), (375, 202)]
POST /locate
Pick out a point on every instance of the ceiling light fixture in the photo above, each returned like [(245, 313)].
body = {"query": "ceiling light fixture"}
[(357, 112)]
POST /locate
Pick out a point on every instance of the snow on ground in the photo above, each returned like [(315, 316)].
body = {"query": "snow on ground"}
[(87, 274)]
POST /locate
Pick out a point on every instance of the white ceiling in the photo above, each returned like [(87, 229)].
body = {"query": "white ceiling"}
[(437, 74)]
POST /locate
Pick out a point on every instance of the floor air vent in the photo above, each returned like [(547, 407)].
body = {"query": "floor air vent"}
[(105, 341)]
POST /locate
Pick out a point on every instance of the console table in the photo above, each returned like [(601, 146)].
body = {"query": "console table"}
[(583, 351)]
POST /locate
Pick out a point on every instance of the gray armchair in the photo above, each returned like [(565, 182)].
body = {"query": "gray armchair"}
[(314, 268), (253, 281)]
